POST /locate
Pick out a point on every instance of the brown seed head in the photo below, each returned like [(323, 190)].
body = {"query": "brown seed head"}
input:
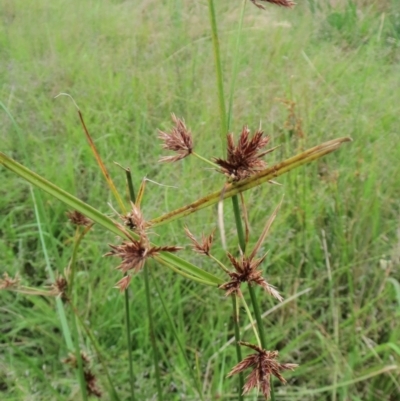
[(244, 159), (246, 271), (9, 283), (202, 247), (282, 3), (78, 218), (59, 288), (264, 364), (179, 140)]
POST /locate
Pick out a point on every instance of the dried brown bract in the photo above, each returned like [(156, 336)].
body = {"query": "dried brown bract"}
[(282, 3), (78, 218), (9, 283), (246, 272), (123, 284), (179, 140), (244, 159), (264, 364), (202, 247)]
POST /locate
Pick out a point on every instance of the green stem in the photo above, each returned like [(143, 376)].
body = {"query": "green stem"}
[(129, 341), (126, 296), (218, 70), (237, 339), (152, 333), (260, 325), (236, 64), (206, 160), (81, 375), (238, 221), (175, 333), (112, 391)]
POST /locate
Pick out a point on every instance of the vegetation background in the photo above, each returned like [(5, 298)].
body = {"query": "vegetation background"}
[(335, 243)]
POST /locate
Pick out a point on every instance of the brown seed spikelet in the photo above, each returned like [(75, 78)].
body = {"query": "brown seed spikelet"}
[(244, 159), (134, 253), (179, 140), (9, 283), (59, 288), (78, 218), (246, 271), (282, 3), (264, 364), (202, 247)]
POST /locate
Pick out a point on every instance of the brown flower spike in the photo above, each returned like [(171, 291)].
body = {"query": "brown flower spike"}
[(282, 3), (78, 218), (246, 267), (264, 364), (246, 271), (244, 159), (134, 253), (179, 140), (202, 247), (9, 283)]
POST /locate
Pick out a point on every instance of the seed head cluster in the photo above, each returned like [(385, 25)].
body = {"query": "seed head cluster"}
[(245, 158), (263, 364), (179, 140), (246, 270), (134, 252)]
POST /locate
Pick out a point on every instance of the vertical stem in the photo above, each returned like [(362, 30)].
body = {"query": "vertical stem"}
[(129, 341), (238, 221), (126, 295), (218, 70), (152, 334), (236, 63), (237, 338)]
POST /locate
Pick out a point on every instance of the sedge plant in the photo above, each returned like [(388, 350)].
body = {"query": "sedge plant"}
[(243, 165)]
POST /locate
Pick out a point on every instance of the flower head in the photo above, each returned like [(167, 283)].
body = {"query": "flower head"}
[(246, 270), (264, 364), (134, 253), (78, 218), (9, 283), (202, 247), (246, 267), (244, 159), (179, 140), (282, 3)]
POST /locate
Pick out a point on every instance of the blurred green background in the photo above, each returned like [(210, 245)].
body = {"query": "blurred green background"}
[(129, 65)]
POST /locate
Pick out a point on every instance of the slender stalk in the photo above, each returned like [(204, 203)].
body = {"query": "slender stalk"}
[(218, 71), (196, 380), (235, 64), (129, 341), (126, 296), (112, 391), (152, 333), (238, 221), (237, 339), (81, 374), (260, 326), (206, 160)]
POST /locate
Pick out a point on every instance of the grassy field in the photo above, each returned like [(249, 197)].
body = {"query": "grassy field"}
[(334, 247)]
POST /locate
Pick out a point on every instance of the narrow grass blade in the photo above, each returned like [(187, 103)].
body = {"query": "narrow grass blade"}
[(98, 217)]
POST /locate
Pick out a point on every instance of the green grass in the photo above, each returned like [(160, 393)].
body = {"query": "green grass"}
[(129, 65)]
